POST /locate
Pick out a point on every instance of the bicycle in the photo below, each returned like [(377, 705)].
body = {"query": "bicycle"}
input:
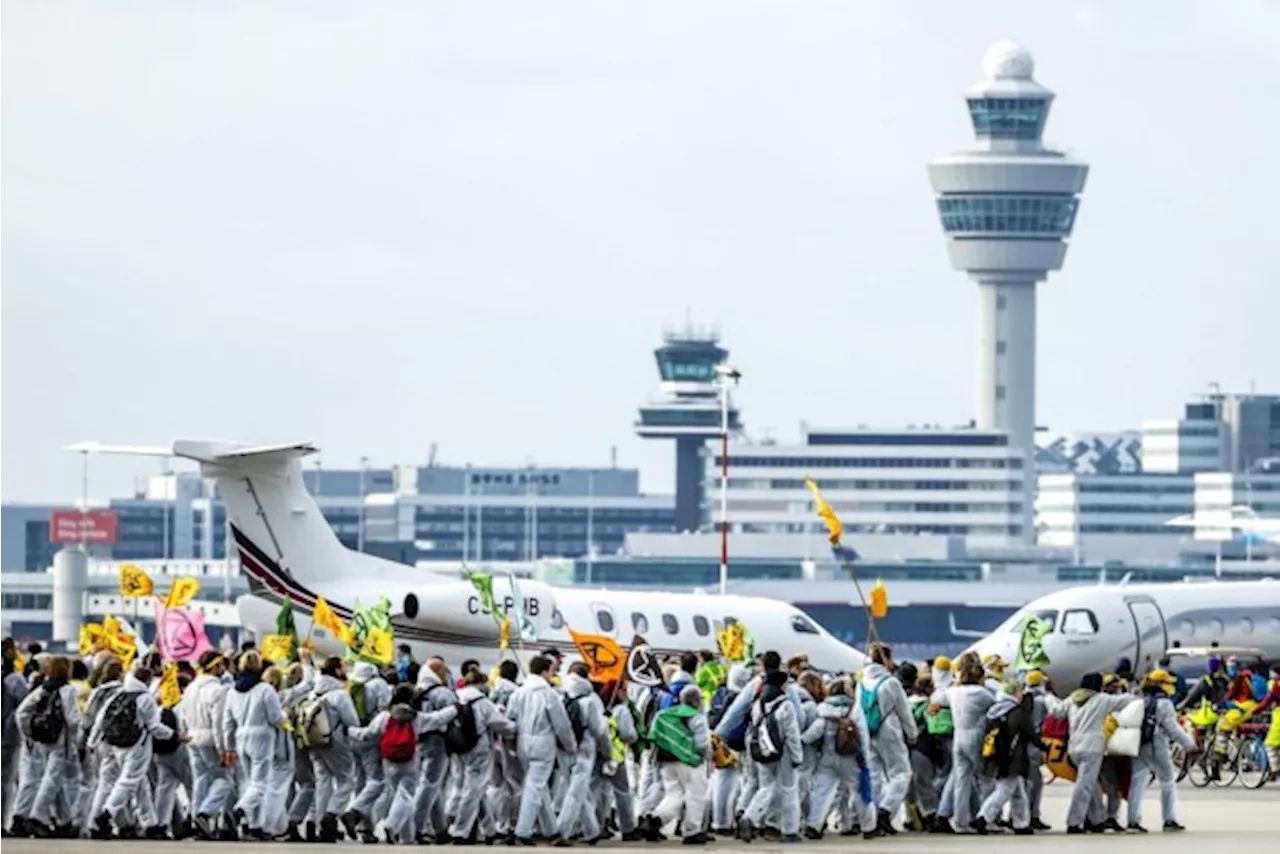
[(1252, 762)]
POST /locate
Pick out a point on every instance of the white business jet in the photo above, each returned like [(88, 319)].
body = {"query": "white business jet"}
[(288, 551), (1091, 628)]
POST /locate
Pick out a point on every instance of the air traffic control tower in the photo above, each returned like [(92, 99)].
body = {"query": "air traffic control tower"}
[(687, 409), (1007, 207)]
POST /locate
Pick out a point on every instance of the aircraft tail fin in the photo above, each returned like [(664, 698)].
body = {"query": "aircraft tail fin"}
[(267, 504)]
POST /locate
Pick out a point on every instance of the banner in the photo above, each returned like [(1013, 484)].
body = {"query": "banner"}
[(285, 626), (736, 643), (1031, 654), (528, 629), (483, 583), (378, 646)]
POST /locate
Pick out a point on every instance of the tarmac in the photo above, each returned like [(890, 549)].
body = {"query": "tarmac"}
[(1232, 819)]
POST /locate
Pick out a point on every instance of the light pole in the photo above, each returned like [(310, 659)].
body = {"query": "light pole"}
[(728, 377)]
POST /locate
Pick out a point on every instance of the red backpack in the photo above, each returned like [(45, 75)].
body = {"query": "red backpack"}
[(399, 741)]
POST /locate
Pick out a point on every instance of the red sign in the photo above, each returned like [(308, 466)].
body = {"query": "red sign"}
[(97, 527)]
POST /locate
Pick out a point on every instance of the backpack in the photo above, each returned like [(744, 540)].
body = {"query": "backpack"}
[(940, 722), (399, 742), (848, 739), (670, 733), (169, 745), (462, 734), (870, 702), (357, 690), (313, 727), (721, 700), (47, 723), (120, 727), (766, 738), (1148, 720), (574, 710)]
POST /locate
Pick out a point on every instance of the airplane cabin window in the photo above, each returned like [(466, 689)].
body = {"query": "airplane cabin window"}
[(1246, 626), (639, 622), (802, 625), (605, 620), (1079, 622), (730, 621), (1188, 628), (701, 626), (557, 619), (1215, 626), (670, 623)]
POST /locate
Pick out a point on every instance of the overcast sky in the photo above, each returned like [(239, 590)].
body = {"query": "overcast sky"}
[(379, 225)]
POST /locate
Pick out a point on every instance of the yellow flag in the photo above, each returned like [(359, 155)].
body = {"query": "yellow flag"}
[(134, 581), (277, 647), (879, 600), (324, 617), (504, 634), (181, 592), (90, 635), (378, 645), (170, 691), (733, 642), (825, 513), (125, 648)]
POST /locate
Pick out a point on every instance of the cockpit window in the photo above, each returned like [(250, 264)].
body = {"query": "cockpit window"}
[(1079, 622), (803, 625), (1014, 624)]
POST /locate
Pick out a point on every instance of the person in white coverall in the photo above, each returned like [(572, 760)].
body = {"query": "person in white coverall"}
[(1086, 711), (125, 773), (334, 764), (435, 694), (578, 805), (969, 702), (889, 753), (541, 723), (503, 795), (368, 689), (401, 776), (1154, 754), (203, 705), (778, 788), (60, 782), (14, 687), (477, 763), (836, 777), (252, 717)]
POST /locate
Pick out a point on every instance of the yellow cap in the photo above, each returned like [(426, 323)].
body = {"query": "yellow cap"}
[(994, 662), (1034, 678), (1163, 678), (942, 663)]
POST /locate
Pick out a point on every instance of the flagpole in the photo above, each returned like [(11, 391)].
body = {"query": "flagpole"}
[(727, 375)]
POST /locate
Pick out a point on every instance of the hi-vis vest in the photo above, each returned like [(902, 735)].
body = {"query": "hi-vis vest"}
[(617, 747)]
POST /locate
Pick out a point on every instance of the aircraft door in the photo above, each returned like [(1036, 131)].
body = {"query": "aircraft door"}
[(1152, 635)]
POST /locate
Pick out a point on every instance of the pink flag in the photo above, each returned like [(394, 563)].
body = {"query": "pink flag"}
[(180, 633)]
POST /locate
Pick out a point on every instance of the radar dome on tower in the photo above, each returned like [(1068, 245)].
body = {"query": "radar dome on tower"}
[(1007, 60)]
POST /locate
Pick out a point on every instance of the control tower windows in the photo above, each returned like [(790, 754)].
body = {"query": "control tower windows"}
[(1008, 118), (1006, 213), (673, 371)]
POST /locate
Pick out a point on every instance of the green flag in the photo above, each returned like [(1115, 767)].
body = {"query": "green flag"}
[(483, 583), (285, 626), (1031, 654)]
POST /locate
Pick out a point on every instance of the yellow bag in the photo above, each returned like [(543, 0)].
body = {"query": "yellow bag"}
[(1056, 760), (1205, 716), (721, 755), (989, 745)]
